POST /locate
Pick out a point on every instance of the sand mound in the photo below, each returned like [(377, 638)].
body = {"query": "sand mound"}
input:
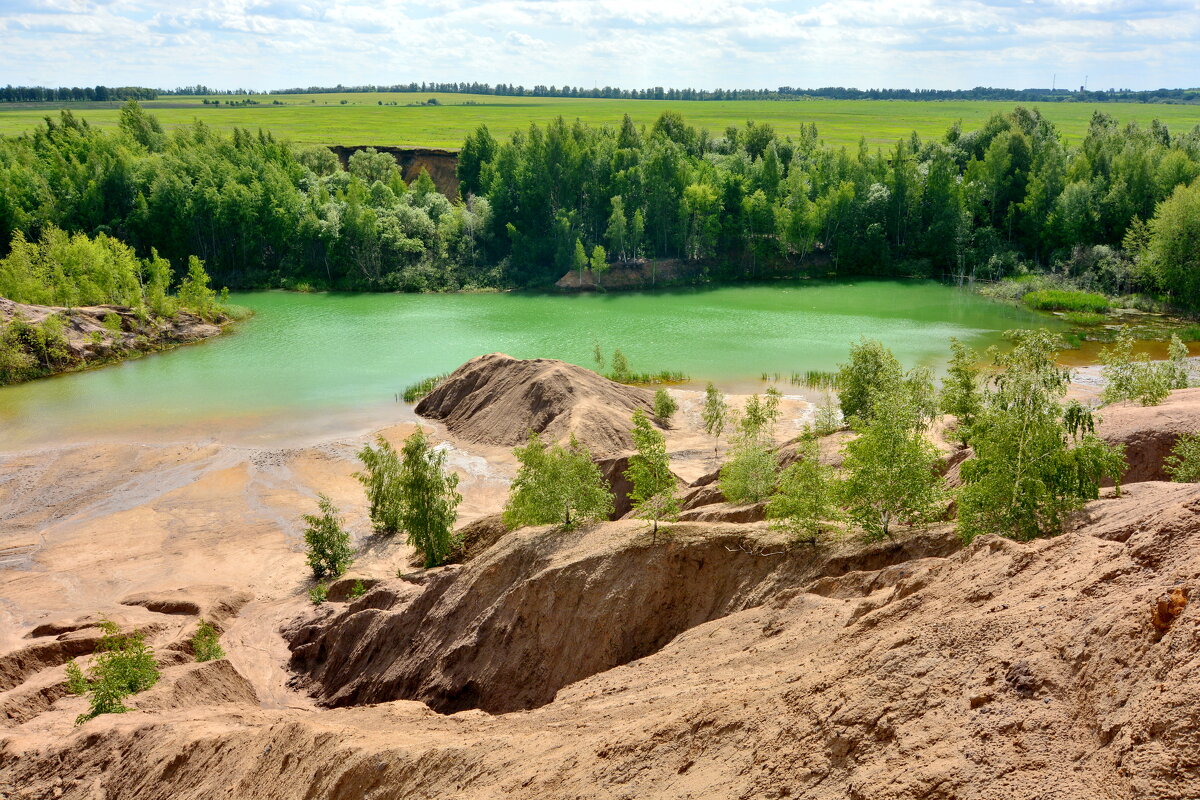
[(496, 399), (208, 684), (1149, 432)]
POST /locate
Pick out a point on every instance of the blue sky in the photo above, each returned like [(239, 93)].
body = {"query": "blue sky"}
[(265, 44)]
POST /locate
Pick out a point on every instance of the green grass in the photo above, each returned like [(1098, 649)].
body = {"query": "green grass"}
[(422, 387), (648, 378), (323, 119), (816, 378), (1084, 318), (1066, 300)]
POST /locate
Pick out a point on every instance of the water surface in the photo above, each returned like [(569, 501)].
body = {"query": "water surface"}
[(312, 365)]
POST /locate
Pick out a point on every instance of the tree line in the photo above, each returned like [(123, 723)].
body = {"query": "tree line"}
[(1083, 95), (1114, 213), (47, 94)]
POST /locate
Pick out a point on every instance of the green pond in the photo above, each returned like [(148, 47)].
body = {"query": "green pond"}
[(311, 365)]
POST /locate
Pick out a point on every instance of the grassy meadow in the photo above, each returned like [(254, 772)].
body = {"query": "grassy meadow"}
[(352, 118)]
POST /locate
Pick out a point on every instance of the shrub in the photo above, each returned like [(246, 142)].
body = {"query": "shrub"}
[(664, 407), (329, 551), (961, 394), (1131, 377), (206, 644), (890, 473), (1035, 460), (827, 418), (872, 368), (123, 664), (112, 323), (428, 499), (1183, 464), (357, 590), (1066, 300), (318, 594), (556, 484), (806, 497), (381, 481), (653, 492), (714, 415)]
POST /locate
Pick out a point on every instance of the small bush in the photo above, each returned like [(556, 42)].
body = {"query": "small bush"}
[(1183, 465), (664, 407), (123, 665), (318, 594), (357, 590), (329, 551), (1066, 300), (112, 323), (206, 642)]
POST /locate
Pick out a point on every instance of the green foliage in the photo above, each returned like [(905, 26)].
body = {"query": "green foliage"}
[(714, 415), (381, 479), (357, 590), (328, 544), (1067, 300), (752, 469), (872, 369), (206, 642), (1036, 460), (620, 367), (664, 406), (1135, 378), (1183, 464), (1087, 319), (556, 484), (194, 293), (318, 594), (962, 395), (123, 664), (827, 418), (1005, 198), (428, 499), (416, 391), (1179, 373), (653, 492), (1173, 249), (77, 270), (805, 501), (890, 467)]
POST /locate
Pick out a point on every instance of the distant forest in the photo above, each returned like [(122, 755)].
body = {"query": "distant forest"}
[(1118, 212), (27, 94)]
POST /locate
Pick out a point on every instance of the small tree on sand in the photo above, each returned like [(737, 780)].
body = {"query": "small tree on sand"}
[(664, 406), (806, 498), (714, 415), (329, 551), (654, 484), (556, 484), (429, 499), (380, 478), (890, 473)]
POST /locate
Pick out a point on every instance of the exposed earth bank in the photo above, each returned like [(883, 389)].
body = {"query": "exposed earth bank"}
[(714, 662), (98, 335)]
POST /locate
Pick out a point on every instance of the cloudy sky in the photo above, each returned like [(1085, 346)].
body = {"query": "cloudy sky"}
[(265, 44)]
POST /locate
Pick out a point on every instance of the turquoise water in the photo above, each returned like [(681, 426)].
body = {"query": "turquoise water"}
[(313, 364)]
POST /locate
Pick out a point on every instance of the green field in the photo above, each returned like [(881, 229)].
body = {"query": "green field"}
[(323, 119)]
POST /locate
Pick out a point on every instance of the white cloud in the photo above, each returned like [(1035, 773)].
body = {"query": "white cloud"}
[(706, 43)]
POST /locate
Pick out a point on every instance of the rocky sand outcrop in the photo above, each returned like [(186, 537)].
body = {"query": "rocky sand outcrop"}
[(90, 341)]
